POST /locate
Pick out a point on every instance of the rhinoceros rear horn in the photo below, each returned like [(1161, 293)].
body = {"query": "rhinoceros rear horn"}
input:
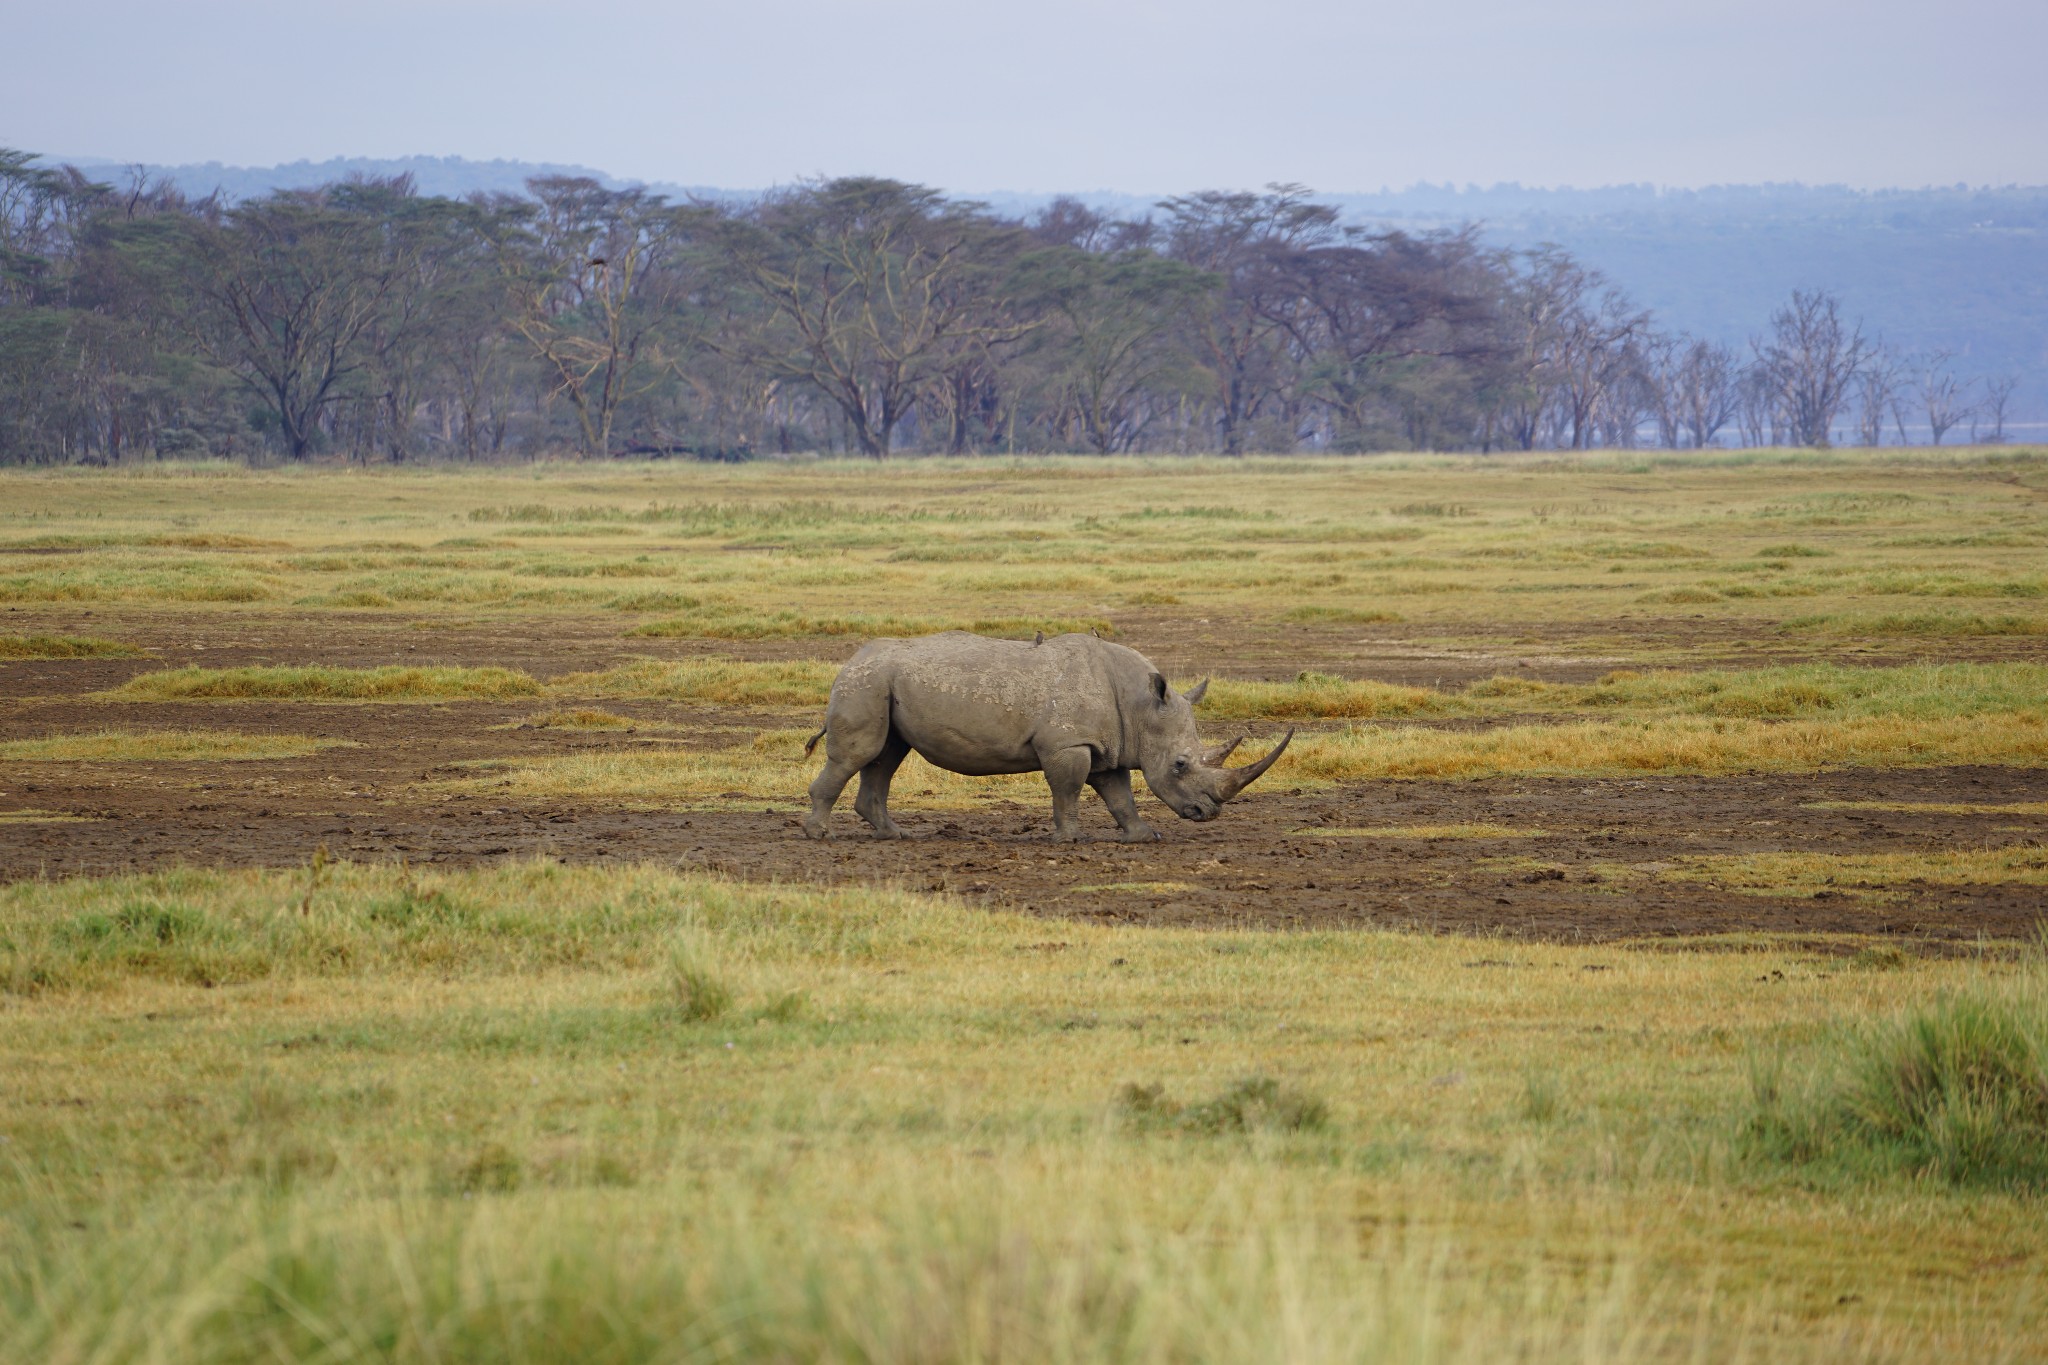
[(1240, 778), (1214, 757)]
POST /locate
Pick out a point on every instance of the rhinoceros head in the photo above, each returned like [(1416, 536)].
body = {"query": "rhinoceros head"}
[(1180, 772)]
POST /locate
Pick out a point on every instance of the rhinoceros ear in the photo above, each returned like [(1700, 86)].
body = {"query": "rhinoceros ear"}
[(1159, 688), (1195, 693)]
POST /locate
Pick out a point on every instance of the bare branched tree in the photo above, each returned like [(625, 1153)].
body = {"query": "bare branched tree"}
[(1997, 397), (1810, 362), (1879, 384), (1943, 397)]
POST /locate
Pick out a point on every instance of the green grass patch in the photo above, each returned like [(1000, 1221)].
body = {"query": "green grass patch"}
[(319, 683), (365, 921), (1317, 696), (710, 682), (64, 647), (717, 622), (1874, 876), (1937, 625), (163, 746), (1937, 807)]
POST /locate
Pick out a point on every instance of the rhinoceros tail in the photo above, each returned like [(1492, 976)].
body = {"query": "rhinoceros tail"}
[(812, 743)]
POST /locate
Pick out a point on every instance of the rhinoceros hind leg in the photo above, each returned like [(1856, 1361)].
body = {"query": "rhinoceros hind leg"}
[(849, 747), (1066, 771), (1114, 787), (873, 801)]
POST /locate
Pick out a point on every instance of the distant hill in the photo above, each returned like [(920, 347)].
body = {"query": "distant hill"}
[(451, 176), (1962, 269)]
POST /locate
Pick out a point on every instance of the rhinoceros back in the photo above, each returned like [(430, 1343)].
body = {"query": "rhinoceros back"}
[(978, 705)]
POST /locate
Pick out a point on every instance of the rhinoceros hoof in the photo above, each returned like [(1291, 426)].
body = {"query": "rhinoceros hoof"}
[(816, 829), (1143, 834), (890, 832)]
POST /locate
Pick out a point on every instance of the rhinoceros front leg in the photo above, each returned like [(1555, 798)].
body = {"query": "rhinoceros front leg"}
[(1114, 787), (1066, 772)]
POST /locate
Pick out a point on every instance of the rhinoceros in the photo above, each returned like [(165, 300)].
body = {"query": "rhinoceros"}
[(1076, 708)]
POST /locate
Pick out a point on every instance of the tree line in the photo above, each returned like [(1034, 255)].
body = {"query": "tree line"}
[(861, 315)]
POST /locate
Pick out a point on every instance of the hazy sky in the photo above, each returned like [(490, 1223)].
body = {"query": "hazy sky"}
[(1136, 95)]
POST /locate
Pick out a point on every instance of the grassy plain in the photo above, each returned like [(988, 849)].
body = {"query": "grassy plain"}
[(523, 1111), (536, 1113)]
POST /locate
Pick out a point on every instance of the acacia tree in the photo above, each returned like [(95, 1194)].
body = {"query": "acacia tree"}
[(1110, 343), (1809, 363), (869, 294), (1242, 334), (291, 285), (598, 292), (1382, 309)]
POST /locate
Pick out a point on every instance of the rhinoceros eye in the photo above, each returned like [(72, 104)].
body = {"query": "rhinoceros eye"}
[(1180, 765)]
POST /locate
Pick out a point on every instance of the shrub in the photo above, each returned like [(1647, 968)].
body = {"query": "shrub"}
[(1956, 1092)]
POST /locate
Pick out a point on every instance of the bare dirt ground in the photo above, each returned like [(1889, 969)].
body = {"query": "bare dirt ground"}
[(1592, 875)]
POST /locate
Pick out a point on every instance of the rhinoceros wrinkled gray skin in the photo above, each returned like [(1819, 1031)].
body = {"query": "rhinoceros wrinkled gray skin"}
[(1078, 709)]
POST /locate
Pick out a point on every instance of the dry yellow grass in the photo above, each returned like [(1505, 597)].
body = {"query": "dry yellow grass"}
[(1469, 831), (1938, 807), (390, 683), (713, 682), (771, 769), (1679, 744), (163, 746), (574, 718), (1876, 876), (41, 817)]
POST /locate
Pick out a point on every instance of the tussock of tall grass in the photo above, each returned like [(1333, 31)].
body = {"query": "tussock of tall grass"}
[(163, 746), (320, 683), (64, 647), (1954, 1093), (1874, 875), (1667, 745), (209, 928)]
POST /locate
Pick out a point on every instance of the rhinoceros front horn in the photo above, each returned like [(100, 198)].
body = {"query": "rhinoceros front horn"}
[(1240, 778)]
